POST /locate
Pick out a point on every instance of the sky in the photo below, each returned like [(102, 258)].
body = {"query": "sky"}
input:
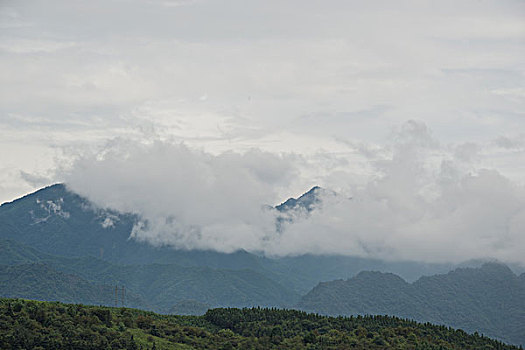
[(197, 114)]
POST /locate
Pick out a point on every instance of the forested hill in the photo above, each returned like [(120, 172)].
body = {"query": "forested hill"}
[(28, 273), (490, 299), (26, 324)]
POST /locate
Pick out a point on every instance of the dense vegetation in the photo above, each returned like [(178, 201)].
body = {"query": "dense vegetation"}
[(26, 324), (490, 299)]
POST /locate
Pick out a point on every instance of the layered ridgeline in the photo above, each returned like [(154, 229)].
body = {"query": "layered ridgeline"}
[(489, 300), (28, 324), (55, 245), (56, 222)]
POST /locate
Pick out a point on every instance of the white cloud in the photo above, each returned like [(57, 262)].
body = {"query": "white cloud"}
[(419, 209), (423, 201), (187, 198)]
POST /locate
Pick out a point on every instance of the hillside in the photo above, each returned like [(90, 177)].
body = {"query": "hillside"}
[(489, 299), (38, 281), (28, 324), (162, 285)]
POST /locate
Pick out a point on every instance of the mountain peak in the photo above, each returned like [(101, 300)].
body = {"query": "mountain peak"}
[(307, 200)]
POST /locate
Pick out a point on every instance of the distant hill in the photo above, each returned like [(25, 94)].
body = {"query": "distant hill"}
[(489, 300), (26, 324)]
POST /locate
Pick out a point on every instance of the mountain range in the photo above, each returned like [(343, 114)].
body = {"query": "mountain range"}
[(56, 245)]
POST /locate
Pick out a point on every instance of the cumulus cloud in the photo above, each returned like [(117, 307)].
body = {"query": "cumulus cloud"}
[(425, 201), (425, 204), (186, 198)]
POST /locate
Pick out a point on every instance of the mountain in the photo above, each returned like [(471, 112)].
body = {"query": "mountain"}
[(165, 285), (56, 245), (27, 324), (489, 299), (59, 222)]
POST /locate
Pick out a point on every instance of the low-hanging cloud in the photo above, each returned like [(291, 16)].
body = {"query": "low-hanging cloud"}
[(186, 198), (424, 202)]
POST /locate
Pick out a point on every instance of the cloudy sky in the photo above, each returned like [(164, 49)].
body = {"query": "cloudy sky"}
[(414, 107)]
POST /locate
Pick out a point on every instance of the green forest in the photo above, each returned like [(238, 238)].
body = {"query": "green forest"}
[(28, 324)]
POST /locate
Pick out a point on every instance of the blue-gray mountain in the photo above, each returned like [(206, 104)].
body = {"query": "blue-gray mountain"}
[(56, 221), (489, 299), (55, 245)]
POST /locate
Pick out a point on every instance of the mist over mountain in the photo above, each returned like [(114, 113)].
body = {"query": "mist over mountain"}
[(75, 227), (422, 201), (57, 245)]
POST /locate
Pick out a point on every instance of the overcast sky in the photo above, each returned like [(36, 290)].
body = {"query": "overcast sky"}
[(323, 93)]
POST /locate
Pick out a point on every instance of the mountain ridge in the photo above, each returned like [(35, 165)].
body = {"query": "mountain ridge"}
[(488, 299)]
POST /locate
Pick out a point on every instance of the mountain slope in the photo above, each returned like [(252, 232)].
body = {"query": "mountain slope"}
[(163, 285), (12, 253), (39, 281), (489, 299)]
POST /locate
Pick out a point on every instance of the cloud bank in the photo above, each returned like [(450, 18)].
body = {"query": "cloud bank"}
[(187, 198), (426, 204), (424, 201)]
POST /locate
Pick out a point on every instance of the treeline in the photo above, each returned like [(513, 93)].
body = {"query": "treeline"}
[(27, 324), (293, 327)]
